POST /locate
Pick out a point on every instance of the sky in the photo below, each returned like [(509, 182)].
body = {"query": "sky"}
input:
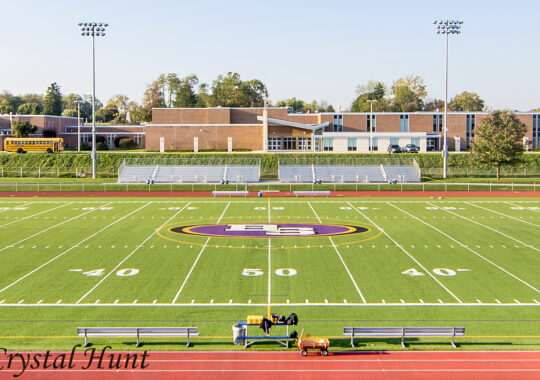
[(309, 49)]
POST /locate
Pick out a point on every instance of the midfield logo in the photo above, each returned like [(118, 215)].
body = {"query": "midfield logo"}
[(272, 229)]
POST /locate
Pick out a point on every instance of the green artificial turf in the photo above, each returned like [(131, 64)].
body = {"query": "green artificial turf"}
[(75, 262)]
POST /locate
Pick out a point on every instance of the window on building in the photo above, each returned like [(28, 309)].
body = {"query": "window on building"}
[(394, 141), (375, 144), (437, 123), (328, 145), (469, 131), (338, 123), (404, 123), (374, 125), (274, 143), (289, 143), (416, 141), (304, 143), (351, 145), (536, 132)]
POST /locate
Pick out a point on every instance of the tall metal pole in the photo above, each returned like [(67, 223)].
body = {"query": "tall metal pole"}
[(445, 148), (93, 107), (93, 29), (446, 27)]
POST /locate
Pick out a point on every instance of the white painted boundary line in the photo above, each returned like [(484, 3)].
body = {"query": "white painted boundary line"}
[(128, 256), (407, 253), (195, 263), (39, 213), (469, 249), (500, 213), (489, 228), (191, 270), (341, 258), (318, 304), (50, 228), (74, 246)]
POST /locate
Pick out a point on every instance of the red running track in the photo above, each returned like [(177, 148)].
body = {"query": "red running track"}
[(477, 365)]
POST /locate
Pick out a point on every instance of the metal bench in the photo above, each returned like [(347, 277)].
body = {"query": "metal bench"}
[(312, 193), (403, 332), (137, 332), (230, 193)]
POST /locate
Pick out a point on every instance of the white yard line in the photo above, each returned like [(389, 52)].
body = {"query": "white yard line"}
[(469, 249), (341, 258), (191, 270), (130, 254), (407, 253), (311, 304), (39, 213), (194, 264), (49, 228), (223, 213), (500, 213), (69, 249), (489, 228)]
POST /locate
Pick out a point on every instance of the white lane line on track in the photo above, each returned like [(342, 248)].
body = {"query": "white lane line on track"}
[(506, 216), (489, 228), (341, 258), (130, 254), (39, 213), (469, 249), (407, 253), (270, 370), (69, 249)]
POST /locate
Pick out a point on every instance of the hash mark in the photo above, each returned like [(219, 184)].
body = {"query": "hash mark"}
[(496, 300), (115, 302)]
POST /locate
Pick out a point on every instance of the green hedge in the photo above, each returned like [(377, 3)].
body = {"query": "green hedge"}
[(110, 161)]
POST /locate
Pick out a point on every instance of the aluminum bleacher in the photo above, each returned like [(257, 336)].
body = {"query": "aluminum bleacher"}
[(193, 171), (401, 173), (296, 173)]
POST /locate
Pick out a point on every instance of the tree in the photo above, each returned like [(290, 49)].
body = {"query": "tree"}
[(28, 109), (86, 107), (168, 84), (9, 103), (372, 90), (22, 128), (409, 94), (186, 95), (498, 140), (139, 114), (406, 100), (434, 105), (153, 97), (297, 105), (52, 101), (466, 101), (106, 114), (70, 112), (121, 104)]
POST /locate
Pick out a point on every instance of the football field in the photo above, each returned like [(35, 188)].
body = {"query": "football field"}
[(104, 258)]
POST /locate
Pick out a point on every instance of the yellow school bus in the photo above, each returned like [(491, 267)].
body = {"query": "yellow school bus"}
[(33, 144)]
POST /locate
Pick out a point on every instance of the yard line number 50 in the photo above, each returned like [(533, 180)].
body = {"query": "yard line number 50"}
[(254, 272)]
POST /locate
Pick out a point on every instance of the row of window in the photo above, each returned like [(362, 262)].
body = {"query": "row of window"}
[(536, 132), (22, 142), (469, 130), (304, 143)]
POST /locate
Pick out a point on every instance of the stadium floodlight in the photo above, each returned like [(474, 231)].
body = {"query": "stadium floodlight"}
[(94, 30), (446, 27)]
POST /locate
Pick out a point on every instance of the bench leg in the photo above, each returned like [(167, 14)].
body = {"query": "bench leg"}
[(187, 345), (403, 338), (352, 340), (138, 342), (453, 342), (85, 340)]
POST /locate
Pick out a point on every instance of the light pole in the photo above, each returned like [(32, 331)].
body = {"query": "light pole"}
[(78, 124), (93, 29), (370, 101), (446, 27)]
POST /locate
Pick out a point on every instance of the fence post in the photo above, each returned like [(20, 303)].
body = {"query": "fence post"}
[(60, 186), (16, 187), (20, 169), (512, 186), (490, 186), (39, 173), (446, 186), (57, 172), (38, 187), (468, 187)]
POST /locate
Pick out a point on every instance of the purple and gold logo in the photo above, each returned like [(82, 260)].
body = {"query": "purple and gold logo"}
[(269, 230)]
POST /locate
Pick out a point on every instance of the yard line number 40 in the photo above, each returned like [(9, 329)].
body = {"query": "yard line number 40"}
[(438, 271)]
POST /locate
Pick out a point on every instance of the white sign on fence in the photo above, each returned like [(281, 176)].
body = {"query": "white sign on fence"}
[(162, 145), (195, 144), (229, 144)]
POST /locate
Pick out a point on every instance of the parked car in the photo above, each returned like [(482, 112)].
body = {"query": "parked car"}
[(394, 149), (410, 148)]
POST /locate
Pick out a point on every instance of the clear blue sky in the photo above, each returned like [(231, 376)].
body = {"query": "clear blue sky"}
[(309, 49)]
